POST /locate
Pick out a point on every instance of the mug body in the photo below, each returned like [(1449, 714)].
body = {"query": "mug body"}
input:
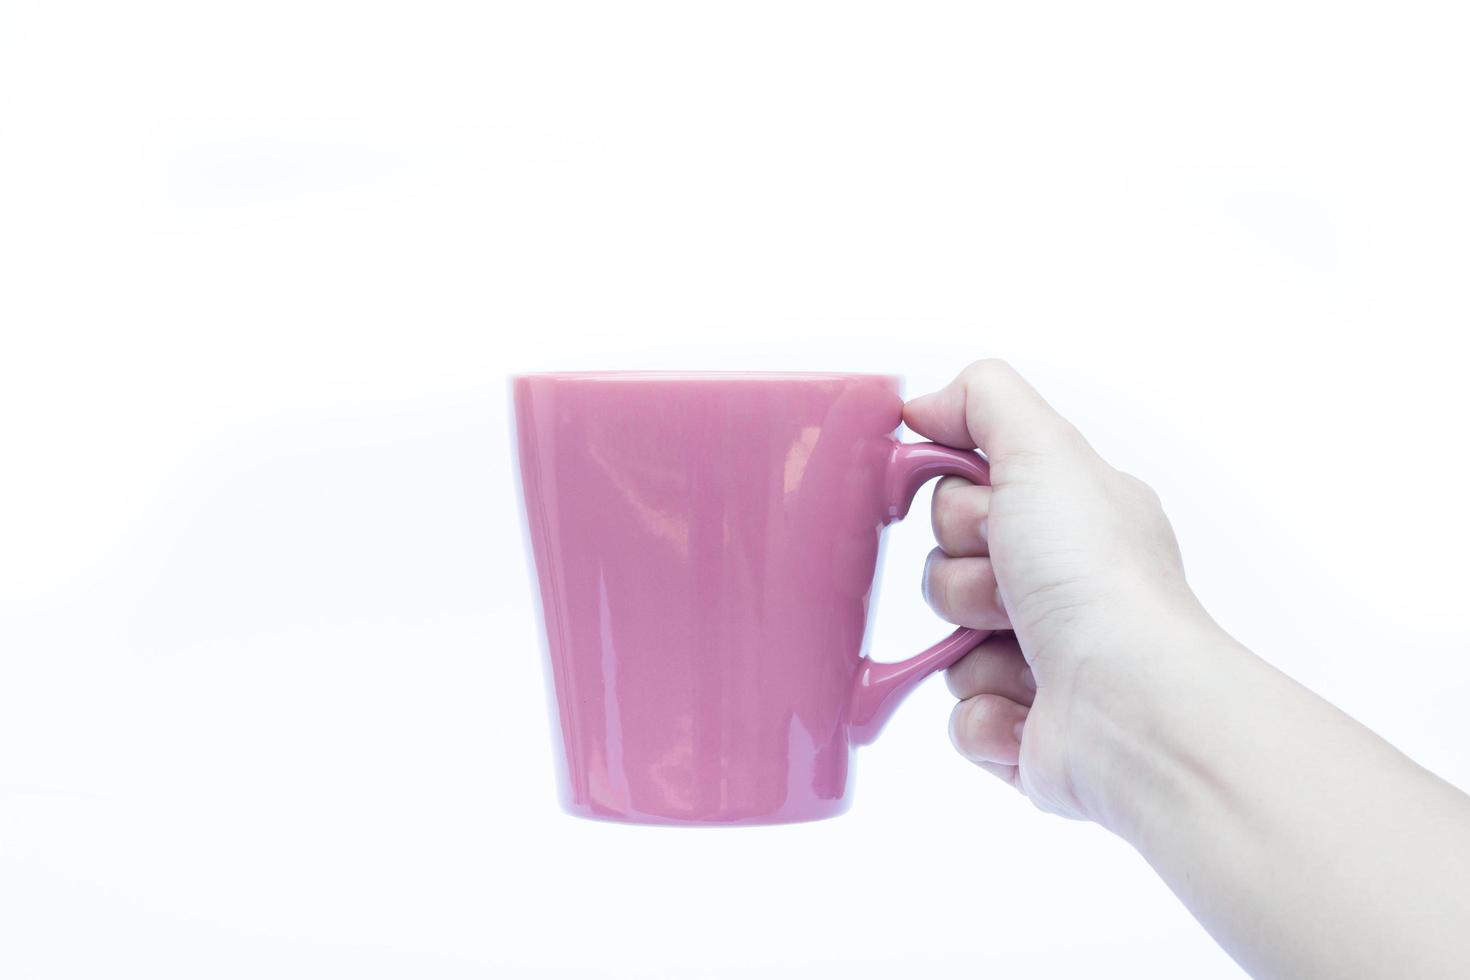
[(705, 547)]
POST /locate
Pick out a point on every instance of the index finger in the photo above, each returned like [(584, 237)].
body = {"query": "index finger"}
[(991, 408)]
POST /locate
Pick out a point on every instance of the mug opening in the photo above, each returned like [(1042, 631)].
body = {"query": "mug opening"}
[(687, 376)]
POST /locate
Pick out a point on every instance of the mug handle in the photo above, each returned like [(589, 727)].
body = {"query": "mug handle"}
[(879, 687)]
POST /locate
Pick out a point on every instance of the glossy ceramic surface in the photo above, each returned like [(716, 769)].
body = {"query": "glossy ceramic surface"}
[(705, 547)]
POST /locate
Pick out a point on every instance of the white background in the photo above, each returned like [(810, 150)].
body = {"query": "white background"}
[(270, 690)]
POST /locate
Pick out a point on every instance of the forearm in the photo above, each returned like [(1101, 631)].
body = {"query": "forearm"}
[(1308, 846)]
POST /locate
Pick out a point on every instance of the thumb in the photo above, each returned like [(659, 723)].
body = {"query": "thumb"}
[(992, 408)]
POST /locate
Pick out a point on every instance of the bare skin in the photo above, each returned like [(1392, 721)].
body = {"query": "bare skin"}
[(1304, 843)]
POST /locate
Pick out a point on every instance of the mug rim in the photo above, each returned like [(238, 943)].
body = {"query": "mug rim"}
[(697, 376)]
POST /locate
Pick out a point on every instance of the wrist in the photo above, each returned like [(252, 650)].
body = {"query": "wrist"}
[(1142, 719)]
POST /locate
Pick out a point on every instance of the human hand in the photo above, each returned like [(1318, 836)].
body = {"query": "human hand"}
[(1074, 561), (1307, 845)]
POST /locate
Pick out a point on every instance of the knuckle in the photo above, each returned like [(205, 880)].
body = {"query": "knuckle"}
[(954, 678), (933, 580), (978, 718), (986, 371), (1141, 490), (948, 484), (940, 522), (1025, 463), (965, 722), (1068, 434), (946, 590), (1024, 677), (956, 720), (955, 515), (946, 522)]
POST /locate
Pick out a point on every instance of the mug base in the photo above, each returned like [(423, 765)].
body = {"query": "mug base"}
[(807, 812)]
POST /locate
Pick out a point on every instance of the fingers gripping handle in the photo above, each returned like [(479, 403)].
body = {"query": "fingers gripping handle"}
[(879, 687), (913, 464)]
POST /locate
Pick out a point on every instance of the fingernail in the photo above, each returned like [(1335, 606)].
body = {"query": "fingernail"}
[(985, 528)]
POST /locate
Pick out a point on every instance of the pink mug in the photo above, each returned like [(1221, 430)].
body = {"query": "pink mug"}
[(706, 547)]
